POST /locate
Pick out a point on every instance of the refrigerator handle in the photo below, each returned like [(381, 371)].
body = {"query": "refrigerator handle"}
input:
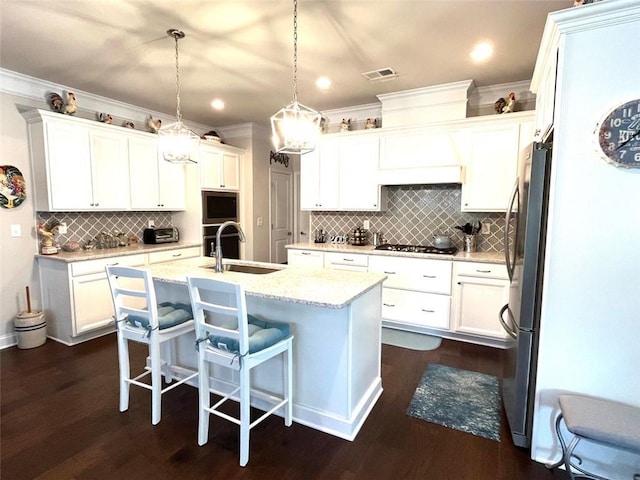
[(510, 330), (507, 224)]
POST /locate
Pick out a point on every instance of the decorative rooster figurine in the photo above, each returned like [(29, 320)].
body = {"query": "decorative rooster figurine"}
[(57, 104), (154, 125), (511, 103), (71, 107)]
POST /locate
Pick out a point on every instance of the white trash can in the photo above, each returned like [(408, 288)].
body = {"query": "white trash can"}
[(31, 329)]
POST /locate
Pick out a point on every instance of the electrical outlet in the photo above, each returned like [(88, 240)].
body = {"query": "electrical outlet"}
[(16, 231), (366, 225), (151, 223), (259, 221), (62, 228), (486, 229)]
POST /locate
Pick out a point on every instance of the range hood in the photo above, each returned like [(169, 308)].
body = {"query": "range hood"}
[(421, 156), (419, 149), (421, 176)]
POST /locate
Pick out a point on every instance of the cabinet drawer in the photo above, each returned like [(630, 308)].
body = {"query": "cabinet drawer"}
[(97, 266), (417, 274), (485, 270), (177, 254), (305, 258), (332, 259), (416, 308)]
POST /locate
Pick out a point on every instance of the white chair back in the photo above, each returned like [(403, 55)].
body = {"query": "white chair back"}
[(133, 295), (220, 310)]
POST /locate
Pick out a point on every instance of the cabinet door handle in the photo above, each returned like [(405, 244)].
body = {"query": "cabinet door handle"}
[(176, 255), (428, 311), (348, 259), (483, 271), (305, 253), (429, 276), (389, 273), (388, 305)]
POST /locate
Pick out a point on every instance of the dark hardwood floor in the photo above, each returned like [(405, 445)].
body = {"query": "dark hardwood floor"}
[(60, 420)]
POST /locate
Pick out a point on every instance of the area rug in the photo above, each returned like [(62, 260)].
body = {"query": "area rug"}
[(458, 399), (410, 340)]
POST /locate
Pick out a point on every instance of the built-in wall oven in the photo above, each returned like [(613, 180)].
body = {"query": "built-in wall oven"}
[(217, 208)]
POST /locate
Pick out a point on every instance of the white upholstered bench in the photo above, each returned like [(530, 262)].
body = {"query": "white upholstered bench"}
[(596, 420)]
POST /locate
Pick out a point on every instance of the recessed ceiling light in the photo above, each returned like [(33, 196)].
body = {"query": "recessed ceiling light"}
[(323, 83), (481, 52), (217, 104)]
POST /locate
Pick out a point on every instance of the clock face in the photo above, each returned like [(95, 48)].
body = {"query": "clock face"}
[(619, 135)]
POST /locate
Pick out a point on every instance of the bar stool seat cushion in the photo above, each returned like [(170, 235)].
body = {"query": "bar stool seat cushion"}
[(604, 421), (169, 315), (262, 334)]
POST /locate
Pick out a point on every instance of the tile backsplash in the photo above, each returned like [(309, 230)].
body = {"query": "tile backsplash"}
[(414, 215), (84, 226)]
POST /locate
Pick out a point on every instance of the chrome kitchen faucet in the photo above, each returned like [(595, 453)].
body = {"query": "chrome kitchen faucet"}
[(218, 255)]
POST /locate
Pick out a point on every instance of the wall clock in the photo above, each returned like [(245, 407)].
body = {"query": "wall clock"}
[(618, 135)]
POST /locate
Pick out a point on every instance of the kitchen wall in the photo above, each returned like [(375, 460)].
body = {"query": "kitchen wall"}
[(414, 215)]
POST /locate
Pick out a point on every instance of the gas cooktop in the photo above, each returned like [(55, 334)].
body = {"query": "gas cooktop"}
[(397, 247)]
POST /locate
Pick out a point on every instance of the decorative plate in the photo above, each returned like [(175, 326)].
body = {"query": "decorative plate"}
[(618, 135), (12, 188)]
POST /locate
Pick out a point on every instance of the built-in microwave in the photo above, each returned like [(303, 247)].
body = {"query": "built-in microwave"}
[(219, 207)]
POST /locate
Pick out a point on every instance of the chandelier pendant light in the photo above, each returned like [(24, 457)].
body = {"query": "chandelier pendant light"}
[(178, 144), (295, 128)]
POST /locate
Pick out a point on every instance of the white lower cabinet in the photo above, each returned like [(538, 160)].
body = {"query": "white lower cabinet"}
[(176, 254), (452, 299), (404, 307), (479, 291), (305, 258), (76, 297), (417, 291), (346, 261)]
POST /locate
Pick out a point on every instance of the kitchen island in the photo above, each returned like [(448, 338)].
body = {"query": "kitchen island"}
[(336, 320)]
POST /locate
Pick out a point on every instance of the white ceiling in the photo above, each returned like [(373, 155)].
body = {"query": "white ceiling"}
[(242, 51)]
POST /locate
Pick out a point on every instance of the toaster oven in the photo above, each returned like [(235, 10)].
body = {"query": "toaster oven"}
[(160, 235)]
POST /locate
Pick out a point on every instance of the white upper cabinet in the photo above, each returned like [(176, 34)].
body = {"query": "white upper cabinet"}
[(155, 184), (83, 165), (358, 174), (342, 174), (319, 181), (219, 168), (490, 160), (77, 166), (109, 169), (543, 84)]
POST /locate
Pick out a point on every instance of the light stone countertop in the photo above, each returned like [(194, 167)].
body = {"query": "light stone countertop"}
[(322, 288), (134, 249), (484, 257)]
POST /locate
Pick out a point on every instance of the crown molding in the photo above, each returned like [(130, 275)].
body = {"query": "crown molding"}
[(25, 86)]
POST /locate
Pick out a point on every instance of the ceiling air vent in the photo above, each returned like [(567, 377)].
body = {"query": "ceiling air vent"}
[(380, 74)]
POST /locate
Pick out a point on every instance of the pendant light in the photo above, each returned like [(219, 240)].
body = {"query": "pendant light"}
[(178, 144), (295, 128)]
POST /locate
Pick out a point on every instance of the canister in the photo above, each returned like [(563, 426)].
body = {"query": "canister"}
[(31, 329)]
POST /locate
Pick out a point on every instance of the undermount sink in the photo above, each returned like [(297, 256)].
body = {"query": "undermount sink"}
[(254, 269)]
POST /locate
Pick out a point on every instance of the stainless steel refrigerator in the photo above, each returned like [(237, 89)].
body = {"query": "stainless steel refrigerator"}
[(524, 240)]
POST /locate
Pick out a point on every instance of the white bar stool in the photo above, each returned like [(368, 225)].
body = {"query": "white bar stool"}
[(229, 337), (140, 319)]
